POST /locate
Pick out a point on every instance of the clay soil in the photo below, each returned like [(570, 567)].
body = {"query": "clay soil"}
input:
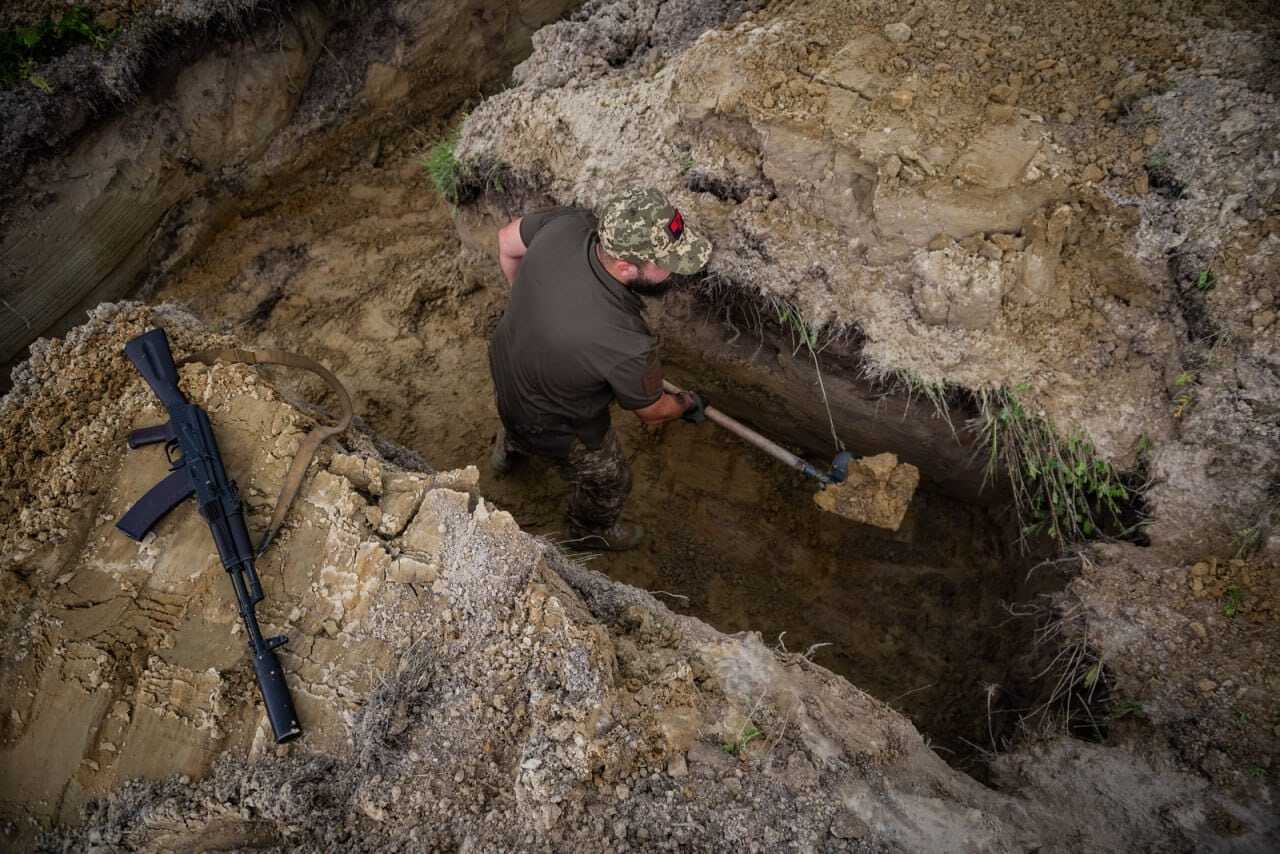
[(360, 267)]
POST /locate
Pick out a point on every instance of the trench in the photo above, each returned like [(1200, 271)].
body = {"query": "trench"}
[(367, 274), (352, 258)]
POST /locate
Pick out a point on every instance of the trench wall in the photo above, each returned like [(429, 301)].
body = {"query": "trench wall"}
[(118, 186)]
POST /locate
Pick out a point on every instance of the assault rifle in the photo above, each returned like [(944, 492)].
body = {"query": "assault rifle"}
[(199, 472)]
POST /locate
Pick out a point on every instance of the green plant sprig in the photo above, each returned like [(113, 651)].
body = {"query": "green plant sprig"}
[(1232, 602), (442, 165), (748, 734), (1062, 485), (24, 49)]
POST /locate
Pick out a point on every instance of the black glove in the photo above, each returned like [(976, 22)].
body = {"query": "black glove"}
[(695, 407)]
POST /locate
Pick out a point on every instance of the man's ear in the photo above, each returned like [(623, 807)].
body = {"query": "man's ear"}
[(627, 271)]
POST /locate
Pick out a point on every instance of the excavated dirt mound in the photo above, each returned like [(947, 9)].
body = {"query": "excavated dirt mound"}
[(461, 683)]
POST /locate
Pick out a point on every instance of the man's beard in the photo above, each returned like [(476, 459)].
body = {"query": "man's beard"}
[(647, 289)]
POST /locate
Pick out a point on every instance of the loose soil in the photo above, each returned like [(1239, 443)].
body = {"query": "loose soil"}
[(362, 270)]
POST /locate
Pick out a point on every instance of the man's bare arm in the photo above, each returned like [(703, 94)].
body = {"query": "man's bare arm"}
[(666, 408), (511, 249)]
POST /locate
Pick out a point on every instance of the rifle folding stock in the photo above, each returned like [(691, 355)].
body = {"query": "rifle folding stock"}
[(199, 472)]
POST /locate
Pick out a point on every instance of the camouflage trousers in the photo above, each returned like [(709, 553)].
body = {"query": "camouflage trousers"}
[(601, 480)]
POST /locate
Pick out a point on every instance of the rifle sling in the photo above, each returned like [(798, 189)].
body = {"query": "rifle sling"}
[(309, 446)]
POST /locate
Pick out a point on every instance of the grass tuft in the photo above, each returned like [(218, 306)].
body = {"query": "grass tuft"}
[(442, 165), (1232, 601), (915, 387), (23, 49), (814, 337), (1062, 486), (746, 735)]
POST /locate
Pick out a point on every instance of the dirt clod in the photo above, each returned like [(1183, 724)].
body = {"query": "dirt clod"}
[(877, 491)]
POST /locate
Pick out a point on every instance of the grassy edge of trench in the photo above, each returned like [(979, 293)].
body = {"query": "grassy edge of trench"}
[(460, 182), (1063, 487), (23, 49)]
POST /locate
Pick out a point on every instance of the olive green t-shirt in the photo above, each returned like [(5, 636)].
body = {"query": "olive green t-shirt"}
[(573, 339)]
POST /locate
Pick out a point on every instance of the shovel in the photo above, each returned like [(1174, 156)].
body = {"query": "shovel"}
[(875, 490)]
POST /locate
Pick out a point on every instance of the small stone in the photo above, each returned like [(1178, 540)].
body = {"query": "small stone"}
[(701, 753), (330, 628), (846, 825), (1003, 94), (1046, 64), (891, 166), (1151, 136), (900, 99), (1263, 319), (1207, 686), (940, 242), (1141, 185), (898, 33), (621, 792), (1092, 174), (1200, 569), (1200, 631), (990, 251), (1006, 242), (677, 766)]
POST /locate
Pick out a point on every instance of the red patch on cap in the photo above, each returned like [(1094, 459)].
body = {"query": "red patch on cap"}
[(675, 228)]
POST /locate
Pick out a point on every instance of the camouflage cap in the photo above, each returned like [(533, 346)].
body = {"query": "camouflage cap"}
[(641, 225)]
